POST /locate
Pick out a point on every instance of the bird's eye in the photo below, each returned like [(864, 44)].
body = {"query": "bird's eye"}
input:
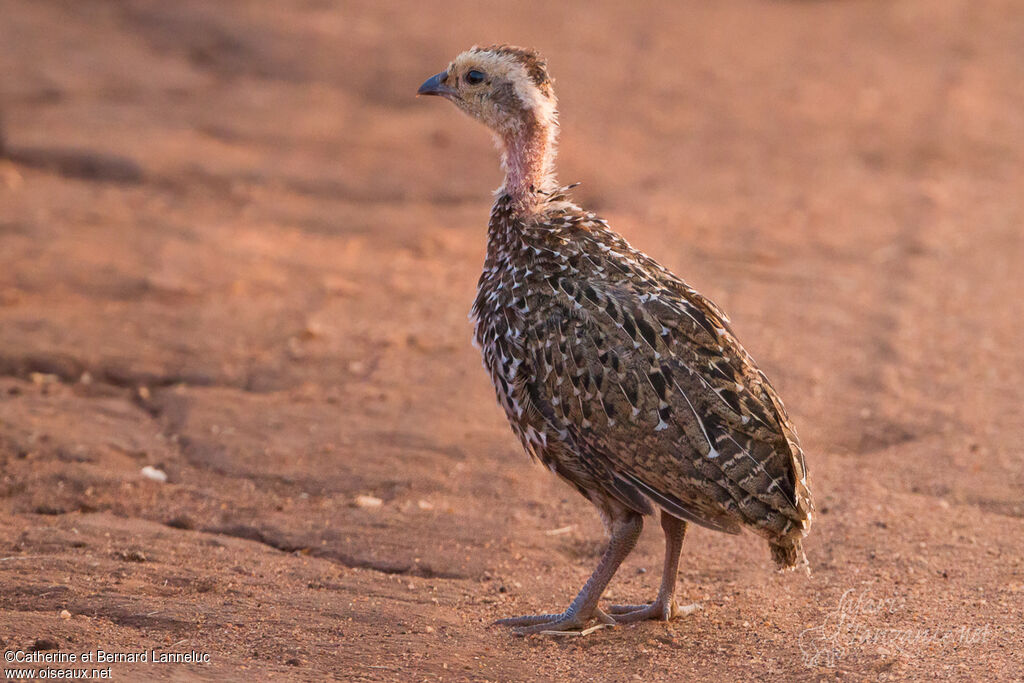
[(474, 77)]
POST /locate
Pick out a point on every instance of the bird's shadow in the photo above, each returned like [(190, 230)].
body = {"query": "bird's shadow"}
[(81, 164)]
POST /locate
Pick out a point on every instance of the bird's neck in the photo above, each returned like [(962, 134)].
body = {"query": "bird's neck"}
[(528, 157)]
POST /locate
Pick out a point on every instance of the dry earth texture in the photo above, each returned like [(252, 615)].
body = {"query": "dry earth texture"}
[(236, 249)]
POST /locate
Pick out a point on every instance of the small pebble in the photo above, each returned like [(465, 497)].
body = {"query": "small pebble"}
[(368, 501), (150, 472), (64, 614)]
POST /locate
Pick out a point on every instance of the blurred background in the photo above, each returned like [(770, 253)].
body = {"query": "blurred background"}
[(236, 250)]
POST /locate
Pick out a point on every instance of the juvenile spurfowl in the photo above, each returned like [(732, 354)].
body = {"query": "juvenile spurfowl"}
[(613, 372)]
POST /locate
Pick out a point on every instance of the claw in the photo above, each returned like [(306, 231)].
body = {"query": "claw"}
[(578, 634)]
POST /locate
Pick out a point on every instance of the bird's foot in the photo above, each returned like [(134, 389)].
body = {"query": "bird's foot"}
[(568, 623), (659, 610)]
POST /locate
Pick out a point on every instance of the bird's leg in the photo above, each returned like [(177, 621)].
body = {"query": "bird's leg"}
[(625, 531), (665, 606)]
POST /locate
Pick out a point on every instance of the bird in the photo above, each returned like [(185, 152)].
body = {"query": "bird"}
[(613, 372)]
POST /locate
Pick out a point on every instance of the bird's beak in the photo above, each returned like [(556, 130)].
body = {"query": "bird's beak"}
[(435, 85)]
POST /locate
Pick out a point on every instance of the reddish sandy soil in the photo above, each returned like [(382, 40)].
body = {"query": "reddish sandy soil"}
[(234, 247)]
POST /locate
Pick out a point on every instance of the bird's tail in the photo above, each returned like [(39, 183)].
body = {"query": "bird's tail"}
[(789, 554)]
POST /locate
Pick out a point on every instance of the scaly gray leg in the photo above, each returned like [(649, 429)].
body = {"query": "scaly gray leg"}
[(665, 606), (625, 530)]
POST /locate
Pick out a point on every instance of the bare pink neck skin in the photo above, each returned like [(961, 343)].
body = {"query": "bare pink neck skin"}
[(529, 161)]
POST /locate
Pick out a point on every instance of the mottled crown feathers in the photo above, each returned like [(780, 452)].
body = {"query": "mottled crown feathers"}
[(535, 65)]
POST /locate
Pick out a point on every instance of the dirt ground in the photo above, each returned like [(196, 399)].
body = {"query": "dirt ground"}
[(236, 249)]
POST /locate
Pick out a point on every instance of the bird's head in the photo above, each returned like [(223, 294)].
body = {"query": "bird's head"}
[(507, 89)]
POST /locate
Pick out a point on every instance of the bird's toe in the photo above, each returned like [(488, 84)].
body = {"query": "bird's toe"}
[(657, 611), (528, 620), (565, 624)]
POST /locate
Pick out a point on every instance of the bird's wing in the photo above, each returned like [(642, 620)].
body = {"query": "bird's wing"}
[(649, 382)]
